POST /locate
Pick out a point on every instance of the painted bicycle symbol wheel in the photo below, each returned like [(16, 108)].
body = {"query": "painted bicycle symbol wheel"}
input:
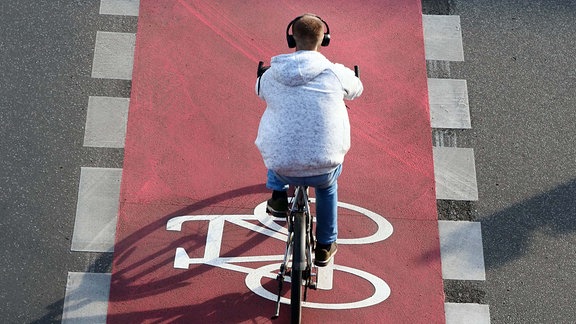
[(381, 289)]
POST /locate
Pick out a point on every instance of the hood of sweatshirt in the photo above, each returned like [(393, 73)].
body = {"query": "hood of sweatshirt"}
[(298, 68)]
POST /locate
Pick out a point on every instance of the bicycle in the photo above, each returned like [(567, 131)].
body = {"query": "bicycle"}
[(299, 245)]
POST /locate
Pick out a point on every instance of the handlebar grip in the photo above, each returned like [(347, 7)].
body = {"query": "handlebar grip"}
[(357, 71), (260, 65)]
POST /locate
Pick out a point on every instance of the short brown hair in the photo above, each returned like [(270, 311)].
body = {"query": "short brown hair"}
[(308, 31)]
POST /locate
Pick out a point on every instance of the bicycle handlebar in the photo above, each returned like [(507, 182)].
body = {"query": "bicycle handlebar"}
[(261, 68)]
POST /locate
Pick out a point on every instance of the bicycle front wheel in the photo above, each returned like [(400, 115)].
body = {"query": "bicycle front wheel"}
[(298, 267), (296, 297)]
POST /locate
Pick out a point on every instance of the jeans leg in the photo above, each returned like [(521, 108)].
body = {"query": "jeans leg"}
[(327, 211), (326, 200), (274, 183), (327, 214)]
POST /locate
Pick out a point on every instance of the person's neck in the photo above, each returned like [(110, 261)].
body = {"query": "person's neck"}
[(314, 49)]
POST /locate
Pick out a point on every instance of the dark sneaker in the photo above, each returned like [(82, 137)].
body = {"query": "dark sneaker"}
[(325, 253), (278, 204)]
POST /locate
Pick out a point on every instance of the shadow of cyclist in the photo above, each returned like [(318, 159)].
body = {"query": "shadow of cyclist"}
[(146, 271)]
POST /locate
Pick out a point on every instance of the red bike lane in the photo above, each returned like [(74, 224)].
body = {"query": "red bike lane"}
[(190, 152)]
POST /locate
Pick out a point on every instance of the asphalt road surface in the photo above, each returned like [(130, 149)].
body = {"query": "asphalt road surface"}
[(520, 70), (46, 52)]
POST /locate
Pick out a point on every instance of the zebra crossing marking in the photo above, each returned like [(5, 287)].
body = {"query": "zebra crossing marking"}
[(97, 210), (114, 55), (106, 122), (119, 7)]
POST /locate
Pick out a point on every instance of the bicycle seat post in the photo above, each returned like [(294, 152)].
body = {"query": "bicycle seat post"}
[(301, 197)]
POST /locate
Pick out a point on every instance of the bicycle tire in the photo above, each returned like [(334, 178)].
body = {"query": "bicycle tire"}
[(298, 267)]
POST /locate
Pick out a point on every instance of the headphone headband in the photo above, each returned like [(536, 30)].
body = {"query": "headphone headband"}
[(290, 38)]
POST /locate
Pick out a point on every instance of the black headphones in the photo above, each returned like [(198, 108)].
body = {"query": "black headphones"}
[(292, 41)]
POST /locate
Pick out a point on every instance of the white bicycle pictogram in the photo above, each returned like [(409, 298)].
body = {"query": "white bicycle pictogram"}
[(272, 229)]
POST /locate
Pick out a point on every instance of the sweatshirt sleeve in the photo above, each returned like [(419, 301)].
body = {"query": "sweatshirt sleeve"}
[(351, 85)]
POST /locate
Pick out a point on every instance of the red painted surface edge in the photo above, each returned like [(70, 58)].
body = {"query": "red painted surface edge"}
[(189, 151)]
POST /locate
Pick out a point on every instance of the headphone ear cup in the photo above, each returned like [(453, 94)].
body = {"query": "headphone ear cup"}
[(291, 41), (326, 40)]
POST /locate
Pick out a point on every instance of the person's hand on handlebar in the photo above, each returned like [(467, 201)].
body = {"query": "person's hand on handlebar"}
[(262, 68)]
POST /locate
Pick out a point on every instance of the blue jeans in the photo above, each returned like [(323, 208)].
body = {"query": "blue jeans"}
[(326, 186)]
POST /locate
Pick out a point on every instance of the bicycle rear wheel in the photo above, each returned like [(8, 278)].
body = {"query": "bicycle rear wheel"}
[(298, 267)]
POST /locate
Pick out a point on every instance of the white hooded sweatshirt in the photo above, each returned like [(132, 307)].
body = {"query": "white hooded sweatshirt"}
[(305, 130)]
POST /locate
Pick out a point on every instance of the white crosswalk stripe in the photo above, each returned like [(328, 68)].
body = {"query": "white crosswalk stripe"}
[(461, 250), (455, 173), (114, 55), (86, 299), (449, 103), (97, 209), (466, 313), (119, 7), (442, 38), (106, 122)]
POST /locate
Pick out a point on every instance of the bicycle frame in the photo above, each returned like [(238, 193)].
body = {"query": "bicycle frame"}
[(301, 207)]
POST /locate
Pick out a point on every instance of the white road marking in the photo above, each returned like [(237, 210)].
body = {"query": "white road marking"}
[(106, 122), (214, 238), (87, 294), (449, 103), (442, 38), (465, 313), (454, 168), (325, 276), (86, 299), (271, 229), (384, 230), (380, 294), (114, 55), (461, 250), (96, 210), (120, 7), (455, 173)]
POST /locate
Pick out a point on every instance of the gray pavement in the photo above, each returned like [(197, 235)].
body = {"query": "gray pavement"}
[(46, 52), (520, 68)]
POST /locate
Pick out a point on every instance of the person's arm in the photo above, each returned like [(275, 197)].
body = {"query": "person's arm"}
[(351, 85)]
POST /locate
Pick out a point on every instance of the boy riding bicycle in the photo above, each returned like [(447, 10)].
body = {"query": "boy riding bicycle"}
[(304, 132)]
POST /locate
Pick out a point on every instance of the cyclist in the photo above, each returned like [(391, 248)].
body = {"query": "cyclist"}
[(304, 132)]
